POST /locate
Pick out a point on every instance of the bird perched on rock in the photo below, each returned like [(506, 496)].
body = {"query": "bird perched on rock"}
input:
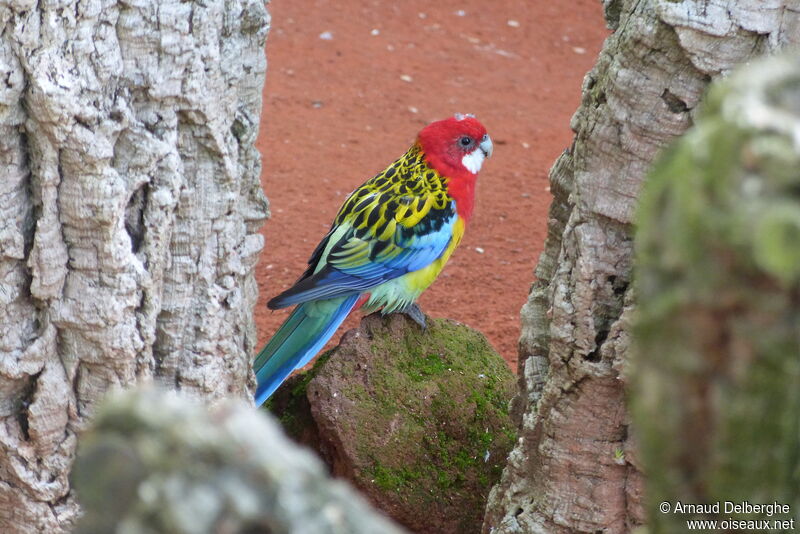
[(388, 243)]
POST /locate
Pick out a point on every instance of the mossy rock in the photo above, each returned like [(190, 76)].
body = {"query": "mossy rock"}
[(418, 420)]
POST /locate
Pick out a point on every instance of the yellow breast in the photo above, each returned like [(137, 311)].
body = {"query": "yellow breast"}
[(400, 292)]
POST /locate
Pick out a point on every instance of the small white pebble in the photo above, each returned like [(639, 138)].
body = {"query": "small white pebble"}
[(579, 49), (390, 48), (525, 145), (326, 36), (479, 250), (422, 15), (513, 23), (412, 109), (486, 456), (473, 40), (406, 78), (481, 375), (376, 31), (461, 13)]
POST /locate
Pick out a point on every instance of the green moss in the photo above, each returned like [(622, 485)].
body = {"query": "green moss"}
[(424, 367), (388, 479)]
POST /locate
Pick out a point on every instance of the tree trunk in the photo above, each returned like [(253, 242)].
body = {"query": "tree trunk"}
[(129, 202), (574, 468), (179, 468)]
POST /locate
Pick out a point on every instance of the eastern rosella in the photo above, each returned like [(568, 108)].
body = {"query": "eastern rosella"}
[(388, 243)]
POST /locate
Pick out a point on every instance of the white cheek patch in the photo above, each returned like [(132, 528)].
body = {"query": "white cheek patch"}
[(473, 161)]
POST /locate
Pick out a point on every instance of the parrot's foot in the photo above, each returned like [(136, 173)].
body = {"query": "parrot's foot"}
[(415, 314)]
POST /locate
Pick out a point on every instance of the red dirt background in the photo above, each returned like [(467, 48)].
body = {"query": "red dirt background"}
[(338, 110)]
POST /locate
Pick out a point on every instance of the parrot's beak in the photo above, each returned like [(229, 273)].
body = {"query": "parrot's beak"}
[(486, 145)]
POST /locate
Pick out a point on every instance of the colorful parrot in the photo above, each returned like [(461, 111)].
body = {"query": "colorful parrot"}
[(388, 243)]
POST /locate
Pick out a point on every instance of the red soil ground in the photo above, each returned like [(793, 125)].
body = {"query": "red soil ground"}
[(338, 110)]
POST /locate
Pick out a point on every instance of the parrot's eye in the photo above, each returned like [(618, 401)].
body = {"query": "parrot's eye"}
[(465, 141)]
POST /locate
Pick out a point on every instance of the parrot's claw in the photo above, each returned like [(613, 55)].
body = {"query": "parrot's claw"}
[(414, 313)]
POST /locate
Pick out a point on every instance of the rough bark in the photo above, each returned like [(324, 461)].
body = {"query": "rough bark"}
[(574, 468), (716, 371), (129, 202), (159, 463)]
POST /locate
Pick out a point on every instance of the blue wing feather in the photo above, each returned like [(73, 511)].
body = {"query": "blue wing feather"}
[(298, 340)]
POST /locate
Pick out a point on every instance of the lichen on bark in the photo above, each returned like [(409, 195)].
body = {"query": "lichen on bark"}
[(716, 374)]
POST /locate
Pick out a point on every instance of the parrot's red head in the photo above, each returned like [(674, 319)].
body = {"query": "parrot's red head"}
[(456, 148)]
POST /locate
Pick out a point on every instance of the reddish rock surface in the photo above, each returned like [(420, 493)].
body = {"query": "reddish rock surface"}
[(338, 110)]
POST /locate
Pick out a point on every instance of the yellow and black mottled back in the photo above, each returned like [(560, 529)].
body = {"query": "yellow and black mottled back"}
[(409, 191), (396, 222)]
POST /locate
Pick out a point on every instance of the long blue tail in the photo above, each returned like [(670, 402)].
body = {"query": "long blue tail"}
[(297, 341)]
